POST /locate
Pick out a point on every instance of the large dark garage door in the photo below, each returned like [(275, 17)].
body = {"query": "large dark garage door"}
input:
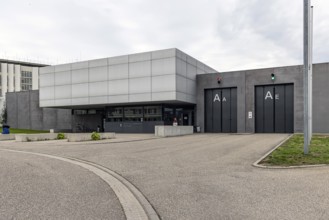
[(274, 109), (221, 110)]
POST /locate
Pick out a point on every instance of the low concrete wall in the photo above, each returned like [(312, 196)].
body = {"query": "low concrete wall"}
[(7, 137), (74, 137), (35, 137), (170, 131)]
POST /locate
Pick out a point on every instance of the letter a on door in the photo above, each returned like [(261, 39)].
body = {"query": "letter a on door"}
[(268, 95), (216, 98)]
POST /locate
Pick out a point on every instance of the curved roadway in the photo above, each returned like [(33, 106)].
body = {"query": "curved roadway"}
[(204, 176), (33, 187)]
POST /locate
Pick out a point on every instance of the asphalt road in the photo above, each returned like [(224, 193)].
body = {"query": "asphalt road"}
[(34, 187), (206, 176)]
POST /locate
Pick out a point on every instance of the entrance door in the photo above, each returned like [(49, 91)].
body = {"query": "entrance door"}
[(274, 108), (185, 119), (221, 110)]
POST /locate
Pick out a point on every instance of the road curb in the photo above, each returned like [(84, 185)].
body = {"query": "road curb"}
[(134, 203), (256, 164)]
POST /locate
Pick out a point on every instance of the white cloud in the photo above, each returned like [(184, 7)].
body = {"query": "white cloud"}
[(227, 35)]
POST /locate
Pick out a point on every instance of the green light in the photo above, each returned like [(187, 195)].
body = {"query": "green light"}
[(273, 76)]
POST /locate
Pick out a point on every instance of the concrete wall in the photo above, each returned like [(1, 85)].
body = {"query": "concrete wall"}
[(172, 131), (321, 98), (209, 81), (132, 127), (24, 112), (10, 73), (245, 81), (12, 113), (165, 75)]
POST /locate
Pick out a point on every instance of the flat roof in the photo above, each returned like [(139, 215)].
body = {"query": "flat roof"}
[(23, 63)]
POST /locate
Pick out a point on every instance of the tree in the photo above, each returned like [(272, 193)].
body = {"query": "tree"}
[(4, 115)]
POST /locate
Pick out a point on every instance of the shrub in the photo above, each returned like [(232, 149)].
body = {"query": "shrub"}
[(95, 136), (60, 136)]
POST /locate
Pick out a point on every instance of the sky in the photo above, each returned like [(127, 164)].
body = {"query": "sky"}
[(224, 34)]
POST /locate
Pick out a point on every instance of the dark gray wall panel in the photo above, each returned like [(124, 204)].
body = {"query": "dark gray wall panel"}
[(279, 109), (149, 126), (208, 110), (234, 110), (11, 105), (247, 80), (49, 118), (221, 110), (259, 114), (114, 127), (23, 110), (268, 109), (226, 110), (35, 111), (86, 123), (274, 109), (64, 119), (320, 98), (216, 111), (289, 108)]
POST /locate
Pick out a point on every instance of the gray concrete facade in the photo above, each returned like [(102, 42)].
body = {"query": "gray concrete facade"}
[(164, 77), (245, 82), (16, 76), (23, 112), (320, 98)]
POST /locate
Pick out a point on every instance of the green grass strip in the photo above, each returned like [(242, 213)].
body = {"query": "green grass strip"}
[(24, 131), (291, 153)]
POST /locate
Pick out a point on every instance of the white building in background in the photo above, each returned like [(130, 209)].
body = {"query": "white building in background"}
[(16, 76)]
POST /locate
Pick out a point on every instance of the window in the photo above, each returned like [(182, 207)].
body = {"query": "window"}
[(80, 112), (168, 116), (92, 112), (152, 113), (133, 114), (115, 114), (26, 80)]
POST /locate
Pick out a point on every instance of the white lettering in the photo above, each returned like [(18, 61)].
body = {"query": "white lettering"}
[(224, 99), (268, 95), (276, 96), (216, 98)]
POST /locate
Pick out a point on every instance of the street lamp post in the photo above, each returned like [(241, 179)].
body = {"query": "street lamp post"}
[(308, 32)]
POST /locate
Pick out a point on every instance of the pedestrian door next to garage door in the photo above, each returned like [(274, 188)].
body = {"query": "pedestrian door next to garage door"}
[(274, 106), (221, 110)]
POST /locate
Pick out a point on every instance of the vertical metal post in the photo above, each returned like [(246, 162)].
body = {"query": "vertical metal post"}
[(310, 82), (306, 75)]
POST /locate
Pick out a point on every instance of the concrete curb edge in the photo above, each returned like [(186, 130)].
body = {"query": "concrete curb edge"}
[(256, 164), (135, 205)]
